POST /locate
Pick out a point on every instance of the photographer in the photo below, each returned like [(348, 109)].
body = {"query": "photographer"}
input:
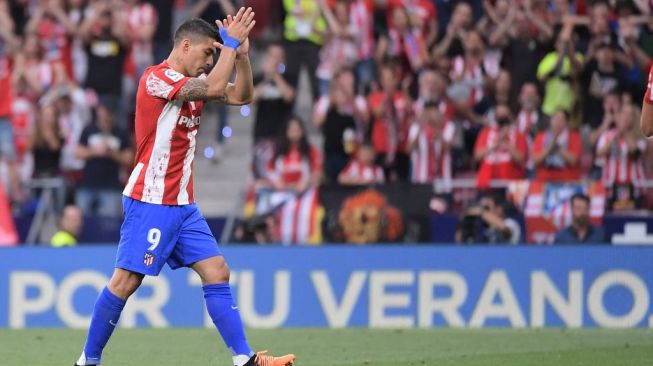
[(487, 223)]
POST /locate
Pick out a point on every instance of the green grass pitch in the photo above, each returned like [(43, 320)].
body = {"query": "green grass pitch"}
[(324, 347)]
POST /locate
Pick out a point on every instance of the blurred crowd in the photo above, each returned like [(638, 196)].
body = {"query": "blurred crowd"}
[(402, 91)]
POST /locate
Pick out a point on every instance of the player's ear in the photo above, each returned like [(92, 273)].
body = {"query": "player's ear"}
[(186, 45)]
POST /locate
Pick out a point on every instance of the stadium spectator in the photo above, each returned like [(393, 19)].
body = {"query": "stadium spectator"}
[(488, 223), (296, 165), (557, 71), (54, 31), (530, 120), (580, 231), (70, 225), (471, 70), (46, 143), (274, 97), (340, 49), (430, 140), (73, 115), (141, 18), (390, 109), (106, 149), (501, 150), (162, 36), (461, 22), (599, 78), (273, 94), (623, 148), (342, 117), (404, 43), (8, 45), (39, 73), (106, 44), (304, 29), (557, 151), (530, 34), (432, 87), (362, 170)]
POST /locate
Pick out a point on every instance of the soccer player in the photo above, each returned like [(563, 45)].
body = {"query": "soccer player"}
[(162, 224), (646, 119)]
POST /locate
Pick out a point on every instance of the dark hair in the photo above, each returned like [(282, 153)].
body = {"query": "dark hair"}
[(192, 28), (580, 196), (282, 145)]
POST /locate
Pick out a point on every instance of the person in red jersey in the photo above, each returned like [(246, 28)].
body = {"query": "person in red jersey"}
[(362, 170), (646, 119), (162, 224), (501, 150), (557, 151)]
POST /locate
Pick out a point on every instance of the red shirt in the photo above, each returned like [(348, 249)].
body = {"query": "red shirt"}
[(384, 139), (56, 44), (5, 86), (429, 159), (648, 98), (21, 123), (165, 139), (365, 173), (498, 164), (420, 11), (620, 166), (293, 168), (572, 142)]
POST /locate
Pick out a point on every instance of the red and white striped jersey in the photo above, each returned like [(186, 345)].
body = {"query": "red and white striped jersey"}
[(648, 98), (361, 17), (165, 139), (429, 159), (293, 167), (472, 76), (367, 174), (526, 121), (621, 167)]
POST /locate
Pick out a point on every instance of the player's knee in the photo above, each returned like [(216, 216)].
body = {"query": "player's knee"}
[(124, 284), (223, 272)]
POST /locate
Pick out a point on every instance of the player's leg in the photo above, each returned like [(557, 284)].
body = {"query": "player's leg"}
[(198, 249), (106, 313), (148, 235)]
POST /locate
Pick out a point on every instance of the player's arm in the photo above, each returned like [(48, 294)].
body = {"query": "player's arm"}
[(646, 118), (241, 91)]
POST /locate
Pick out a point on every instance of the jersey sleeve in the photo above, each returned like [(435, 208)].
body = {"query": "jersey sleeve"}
[(648, 98), (165, 83)]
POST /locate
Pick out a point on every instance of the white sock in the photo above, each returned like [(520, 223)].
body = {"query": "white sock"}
[(241, 360)]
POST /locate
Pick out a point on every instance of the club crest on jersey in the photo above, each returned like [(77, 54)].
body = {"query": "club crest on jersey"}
[(173, 75), (148, 259), (189, 122)]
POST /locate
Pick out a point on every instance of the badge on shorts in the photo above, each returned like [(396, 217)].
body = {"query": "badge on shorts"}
[(148, 259), (173, 75)]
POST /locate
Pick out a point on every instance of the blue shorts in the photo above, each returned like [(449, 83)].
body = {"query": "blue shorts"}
[(152, 235)]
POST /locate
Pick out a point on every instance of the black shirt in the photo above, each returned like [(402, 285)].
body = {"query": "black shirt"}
[(164, 20), (106, 56), (596, 85), (102, 173), (333, 129), (272, 110)]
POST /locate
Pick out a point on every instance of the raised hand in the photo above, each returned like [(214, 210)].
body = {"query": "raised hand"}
[(243, 49), (239, 26)]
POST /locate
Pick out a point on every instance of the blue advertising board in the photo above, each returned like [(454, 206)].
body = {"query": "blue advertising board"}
[(339, 286)]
